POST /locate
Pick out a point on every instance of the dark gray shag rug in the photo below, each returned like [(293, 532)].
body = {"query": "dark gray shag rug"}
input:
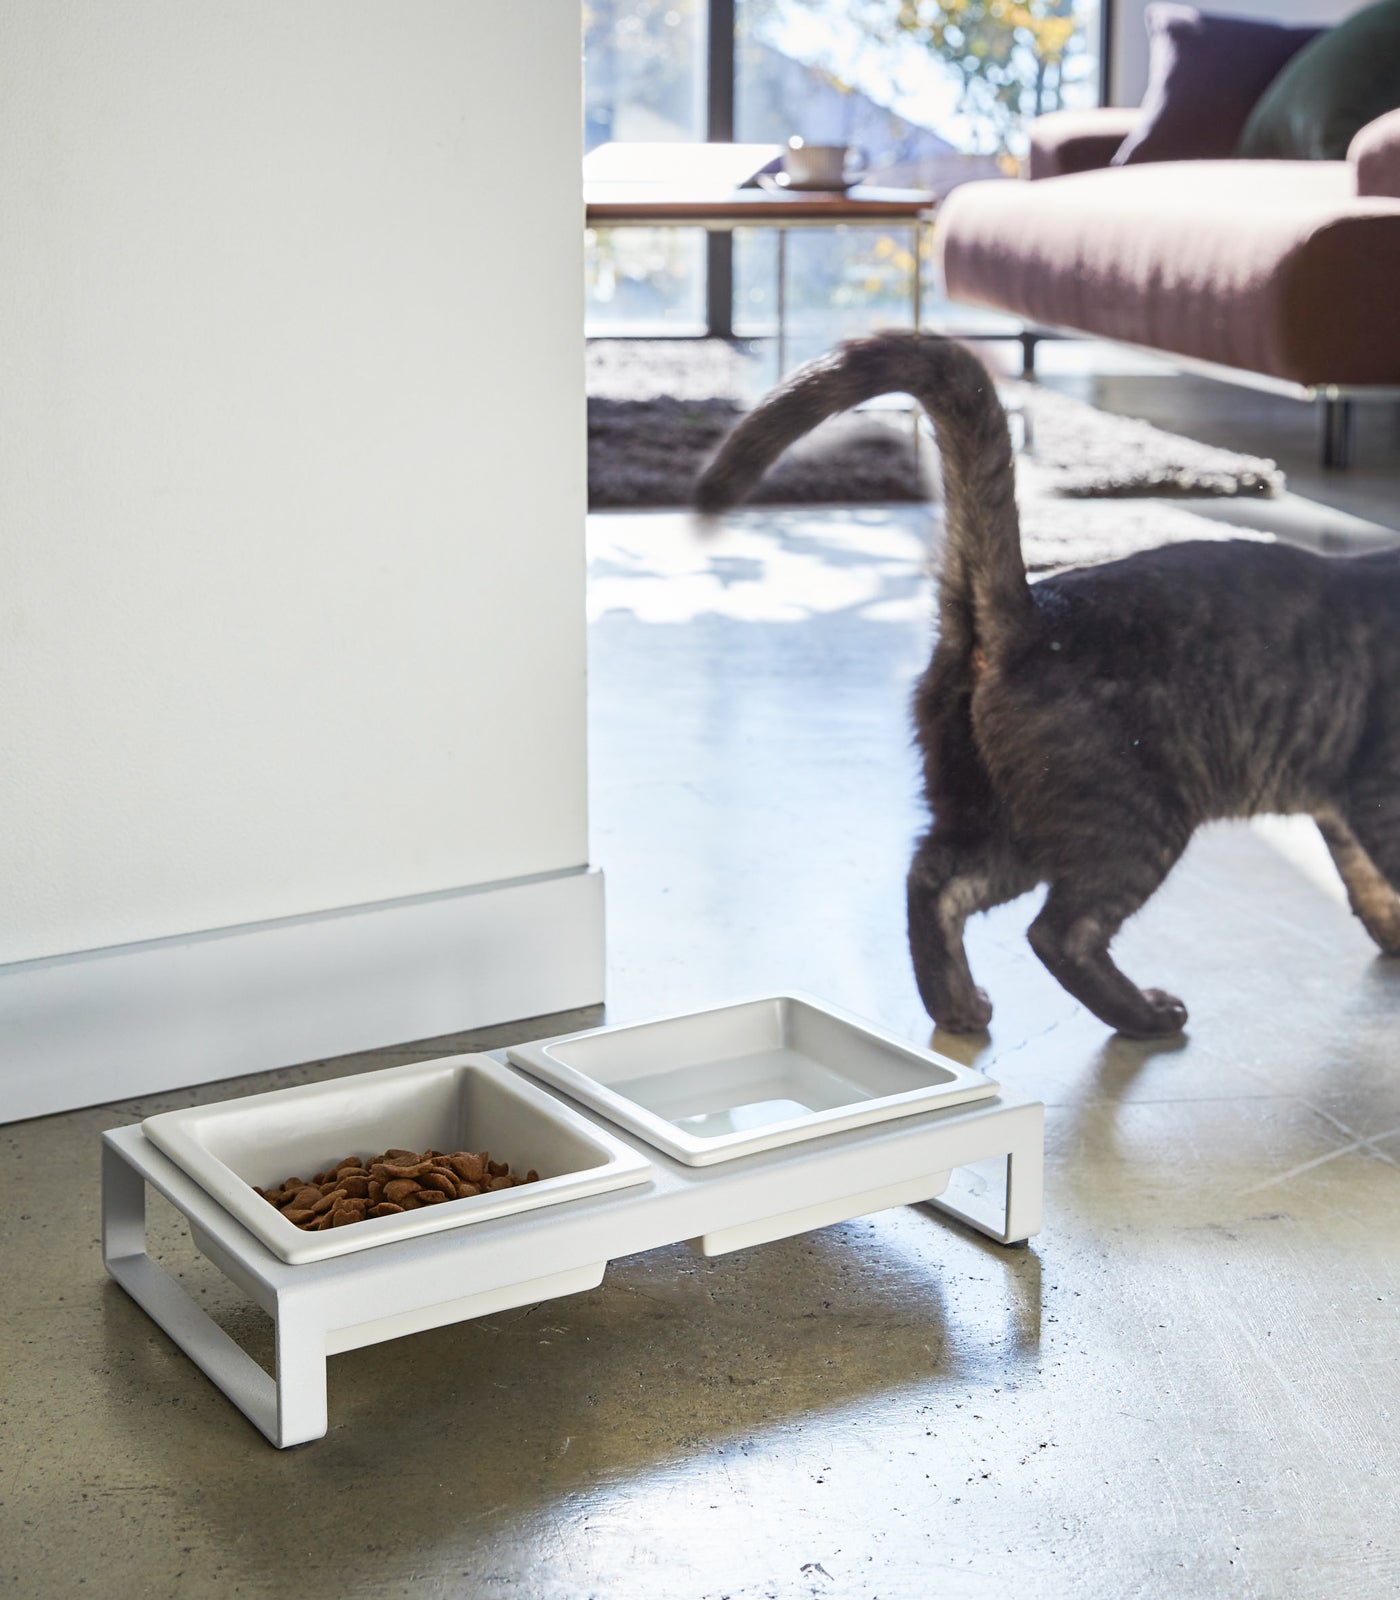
[(658, 409), (648, 453)]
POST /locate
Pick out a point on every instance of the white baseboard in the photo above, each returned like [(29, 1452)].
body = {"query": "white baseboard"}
[(110, 1024)]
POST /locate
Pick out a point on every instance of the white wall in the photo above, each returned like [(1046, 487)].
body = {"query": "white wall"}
[(291, 490), (291, 460), (1129, 74)]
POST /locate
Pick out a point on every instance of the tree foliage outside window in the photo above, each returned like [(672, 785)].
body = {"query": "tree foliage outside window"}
[(1013, 59), (1011, 55)]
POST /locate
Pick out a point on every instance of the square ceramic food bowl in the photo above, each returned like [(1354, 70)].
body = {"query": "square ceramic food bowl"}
[(749, 1077), (460, 1103)]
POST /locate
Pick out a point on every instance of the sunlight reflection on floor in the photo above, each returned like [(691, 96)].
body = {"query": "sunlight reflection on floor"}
[(762, 566)]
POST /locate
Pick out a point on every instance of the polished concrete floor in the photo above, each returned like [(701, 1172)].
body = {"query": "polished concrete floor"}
[(1187, 1385)]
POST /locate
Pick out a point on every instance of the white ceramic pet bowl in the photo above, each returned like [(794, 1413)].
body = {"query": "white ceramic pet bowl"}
[(720, 1084), (459, 1103)]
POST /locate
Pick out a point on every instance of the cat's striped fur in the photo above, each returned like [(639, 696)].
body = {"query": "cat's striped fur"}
[(1076, 732)]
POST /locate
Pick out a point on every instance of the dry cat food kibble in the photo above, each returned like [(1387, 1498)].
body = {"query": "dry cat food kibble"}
[(384, 1186)]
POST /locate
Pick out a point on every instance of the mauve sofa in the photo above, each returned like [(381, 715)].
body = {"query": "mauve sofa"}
[(1282, 271)]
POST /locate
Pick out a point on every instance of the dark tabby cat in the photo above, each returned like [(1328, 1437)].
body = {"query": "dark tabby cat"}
[(1076, 732)]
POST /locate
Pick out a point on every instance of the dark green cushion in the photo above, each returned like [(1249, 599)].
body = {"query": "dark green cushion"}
[(1329, 91)]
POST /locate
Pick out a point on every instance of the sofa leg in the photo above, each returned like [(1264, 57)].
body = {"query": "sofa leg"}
[(1336, 419), (1028, 344)]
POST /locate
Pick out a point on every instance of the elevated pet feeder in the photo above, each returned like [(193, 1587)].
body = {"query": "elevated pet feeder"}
[(726, 1129)]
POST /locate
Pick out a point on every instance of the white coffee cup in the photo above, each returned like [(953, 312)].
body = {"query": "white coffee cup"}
[(818, 166)]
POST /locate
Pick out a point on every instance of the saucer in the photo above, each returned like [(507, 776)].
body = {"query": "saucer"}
[(781, 183)]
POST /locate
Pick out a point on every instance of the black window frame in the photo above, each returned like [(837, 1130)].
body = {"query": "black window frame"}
[(719, 129)]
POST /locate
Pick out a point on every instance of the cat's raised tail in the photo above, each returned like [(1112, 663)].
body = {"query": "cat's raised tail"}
[(983, 592)]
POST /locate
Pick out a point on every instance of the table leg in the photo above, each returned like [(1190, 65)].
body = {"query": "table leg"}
[(782, 303), (918, 284), (917, 317)]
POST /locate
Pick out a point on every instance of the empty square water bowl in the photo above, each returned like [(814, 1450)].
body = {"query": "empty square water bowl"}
[(731, 1082), (459, 1103)]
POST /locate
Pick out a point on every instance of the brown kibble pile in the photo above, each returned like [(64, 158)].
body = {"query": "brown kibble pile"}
[(383, 1186)]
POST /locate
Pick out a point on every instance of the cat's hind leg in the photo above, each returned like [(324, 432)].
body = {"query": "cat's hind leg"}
[(952, 876), (1370, 886), (1082, 912)]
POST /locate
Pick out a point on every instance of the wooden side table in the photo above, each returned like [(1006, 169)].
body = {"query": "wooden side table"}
[(718, 206)]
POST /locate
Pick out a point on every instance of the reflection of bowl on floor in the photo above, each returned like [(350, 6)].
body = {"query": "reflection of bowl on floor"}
[(461, 1103), (731, 1082)]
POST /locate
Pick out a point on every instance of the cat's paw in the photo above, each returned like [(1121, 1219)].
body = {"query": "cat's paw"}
[(970, 1015), (1165, 1014)]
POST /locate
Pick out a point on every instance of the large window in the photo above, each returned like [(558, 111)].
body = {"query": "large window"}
[(645, 80), (932, 93)]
